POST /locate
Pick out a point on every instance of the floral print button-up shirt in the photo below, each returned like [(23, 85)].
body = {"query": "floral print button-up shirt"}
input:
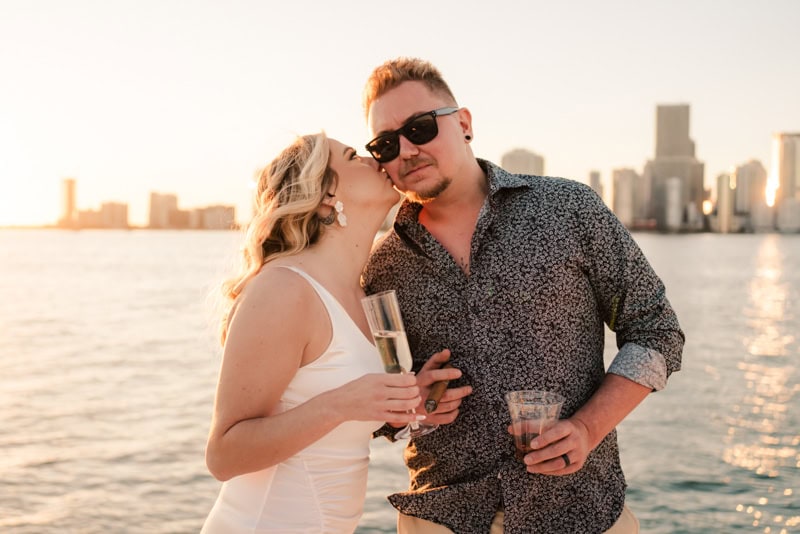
[(550, 265)]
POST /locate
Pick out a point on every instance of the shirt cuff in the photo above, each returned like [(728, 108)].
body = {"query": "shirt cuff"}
[(642, 365)]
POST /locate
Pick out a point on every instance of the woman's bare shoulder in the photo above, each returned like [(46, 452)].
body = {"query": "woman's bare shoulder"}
[(276, 293)]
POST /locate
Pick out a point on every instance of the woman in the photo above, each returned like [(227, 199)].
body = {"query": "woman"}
[(301, 387)]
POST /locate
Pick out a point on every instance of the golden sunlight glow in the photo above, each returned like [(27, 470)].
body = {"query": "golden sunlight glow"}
[(708, 207), (769, 298), (758, 439), (25, 202), (773, 181)]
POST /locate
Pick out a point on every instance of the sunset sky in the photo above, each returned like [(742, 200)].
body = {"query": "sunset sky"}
[(191, 97)]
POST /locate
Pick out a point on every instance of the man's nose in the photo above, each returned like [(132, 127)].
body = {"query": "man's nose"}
[(407, 148)]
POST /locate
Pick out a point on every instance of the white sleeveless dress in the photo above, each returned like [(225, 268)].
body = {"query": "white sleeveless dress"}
[(321, 488)]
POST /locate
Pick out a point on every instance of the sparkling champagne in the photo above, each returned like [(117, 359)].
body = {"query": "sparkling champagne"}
[(394, 351), (386, 325)]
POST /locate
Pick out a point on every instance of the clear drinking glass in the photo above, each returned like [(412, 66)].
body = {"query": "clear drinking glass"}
[(532, 412), (386, 325)]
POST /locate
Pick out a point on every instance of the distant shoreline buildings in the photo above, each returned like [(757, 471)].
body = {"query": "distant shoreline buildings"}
[(164, 214), (670, 195)]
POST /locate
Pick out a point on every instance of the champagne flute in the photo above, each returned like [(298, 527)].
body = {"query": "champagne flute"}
[(386, 325)]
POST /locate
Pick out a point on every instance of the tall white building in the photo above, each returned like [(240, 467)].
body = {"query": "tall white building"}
[(675, 158), (783, 183), (750, 183), (673, 204), (114, 215), (595, 183), (162, 206), (788, 220), (786, 166), (69, 209), (624, 205), (724, 204), (213, 218), (521, 161)]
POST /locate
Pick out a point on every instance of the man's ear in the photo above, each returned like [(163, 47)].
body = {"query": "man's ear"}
[(465, 121)]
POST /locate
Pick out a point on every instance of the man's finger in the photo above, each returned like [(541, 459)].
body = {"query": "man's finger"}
[(437, 360), (436, 392)]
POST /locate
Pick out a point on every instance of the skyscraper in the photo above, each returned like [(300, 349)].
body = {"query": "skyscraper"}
[(750, 181), (672, 131), (114, 215), (783, 184), (786, 165), (595, 183), (521, 161), (724, 217), (750, 196), (675, 158), (162, 207), (624, 181), (69, 210)]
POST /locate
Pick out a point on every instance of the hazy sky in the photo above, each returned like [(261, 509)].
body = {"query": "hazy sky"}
[(191, 97)]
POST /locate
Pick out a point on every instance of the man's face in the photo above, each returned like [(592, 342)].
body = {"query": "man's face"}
[(422, 171)]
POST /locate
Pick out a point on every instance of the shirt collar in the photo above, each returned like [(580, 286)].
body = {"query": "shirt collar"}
[(497, 177), (501, 179)]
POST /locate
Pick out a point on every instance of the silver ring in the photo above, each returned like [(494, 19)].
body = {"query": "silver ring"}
[(566, 460)]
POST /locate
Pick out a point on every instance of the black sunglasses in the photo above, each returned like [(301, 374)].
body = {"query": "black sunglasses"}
[(419, 130)]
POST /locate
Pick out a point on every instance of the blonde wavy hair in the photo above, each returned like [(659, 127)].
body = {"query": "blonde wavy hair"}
[(392, 73), (288, 193)]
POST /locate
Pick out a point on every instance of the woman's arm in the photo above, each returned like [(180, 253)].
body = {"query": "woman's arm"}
[(279, 324)]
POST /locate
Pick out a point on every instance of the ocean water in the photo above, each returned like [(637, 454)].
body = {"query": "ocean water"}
[(108, 362)]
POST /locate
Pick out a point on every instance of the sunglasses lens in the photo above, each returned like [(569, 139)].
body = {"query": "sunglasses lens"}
[(385, 148), (421, 130)]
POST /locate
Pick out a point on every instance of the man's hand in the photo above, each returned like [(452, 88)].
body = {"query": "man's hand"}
[(448, 405), (561, 450)]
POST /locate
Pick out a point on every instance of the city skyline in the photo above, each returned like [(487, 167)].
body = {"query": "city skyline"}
[(669, 195), (665, 197), (132, 97), (164, 213)]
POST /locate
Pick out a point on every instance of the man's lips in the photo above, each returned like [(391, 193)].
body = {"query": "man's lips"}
[(415, 169)]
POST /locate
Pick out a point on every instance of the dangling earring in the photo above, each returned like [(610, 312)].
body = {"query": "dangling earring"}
[(341, 218)]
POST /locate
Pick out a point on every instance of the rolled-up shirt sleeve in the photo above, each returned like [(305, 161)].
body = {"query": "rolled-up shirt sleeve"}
[(641, 365), (632, 300)]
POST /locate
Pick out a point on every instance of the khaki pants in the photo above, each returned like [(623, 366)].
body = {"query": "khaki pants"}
[(406, 524)]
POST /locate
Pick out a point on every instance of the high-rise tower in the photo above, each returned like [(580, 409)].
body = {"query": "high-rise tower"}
[(521, 161), (596, 183), (69, 211), (784, 180), (162, 209), (786, 165), (672, 132), (675, 158)]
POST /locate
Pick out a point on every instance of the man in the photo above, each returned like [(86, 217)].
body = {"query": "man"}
[(517, 276)]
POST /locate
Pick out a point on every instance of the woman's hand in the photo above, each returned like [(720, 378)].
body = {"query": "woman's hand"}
[(379, 397)]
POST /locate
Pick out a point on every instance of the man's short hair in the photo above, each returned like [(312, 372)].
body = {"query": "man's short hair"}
[(392, 73)]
